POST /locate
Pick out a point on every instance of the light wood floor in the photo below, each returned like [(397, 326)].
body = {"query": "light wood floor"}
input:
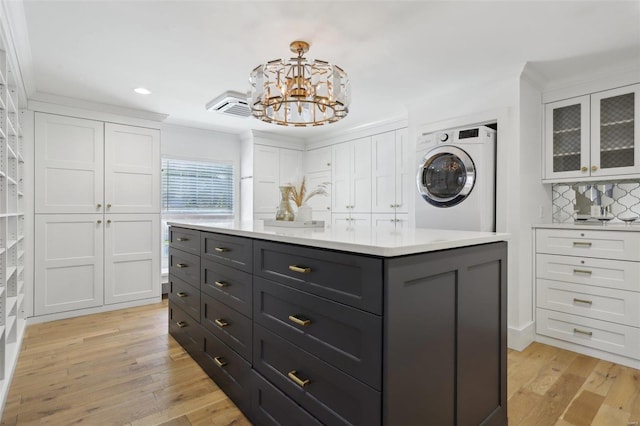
[(122, 368)]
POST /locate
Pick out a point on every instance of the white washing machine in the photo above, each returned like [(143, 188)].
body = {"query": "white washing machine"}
[(456, 179)]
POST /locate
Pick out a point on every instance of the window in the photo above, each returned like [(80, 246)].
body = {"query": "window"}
[(194, 190)]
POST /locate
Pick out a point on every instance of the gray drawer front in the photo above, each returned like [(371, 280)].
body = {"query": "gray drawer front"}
[(228, 325), (332, 396), (272, 407), (230, 286), (184, 296), (185, 266), (186, 331), (228, 250), (185, 239), (346, 278), (345, 337), (234, 377)]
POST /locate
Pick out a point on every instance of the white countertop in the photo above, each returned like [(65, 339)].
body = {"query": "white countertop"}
[(375, 242), (592, 226)]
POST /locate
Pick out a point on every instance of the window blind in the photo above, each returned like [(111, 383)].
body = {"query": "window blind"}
[(196, 187)]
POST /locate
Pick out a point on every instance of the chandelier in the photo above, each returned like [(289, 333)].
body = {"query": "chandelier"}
[(298, 92)]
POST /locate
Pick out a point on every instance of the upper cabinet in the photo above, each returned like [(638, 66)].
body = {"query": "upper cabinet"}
[(392, 170), (273, 167), (593, 137), (351, 176), (87, 166)]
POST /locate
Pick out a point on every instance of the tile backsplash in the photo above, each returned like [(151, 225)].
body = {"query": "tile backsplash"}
[(572, 200)]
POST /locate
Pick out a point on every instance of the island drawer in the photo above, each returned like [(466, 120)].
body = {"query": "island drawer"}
[(185, 330), (345, 337), (228, 369), (332, 396), (228, 325), (185, 239), (185, 266), (354, 280), (227, 249), (615, 338), (272, 407), (586, 243), (184, 296), (230, 286)]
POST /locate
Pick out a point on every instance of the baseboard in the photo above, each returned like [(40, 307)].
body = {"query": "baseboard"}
[(89, 311), (519, 338)]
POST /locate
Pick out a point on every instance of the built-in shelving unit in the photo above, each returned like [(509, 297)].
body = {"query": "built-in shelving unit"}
[(12, 222)]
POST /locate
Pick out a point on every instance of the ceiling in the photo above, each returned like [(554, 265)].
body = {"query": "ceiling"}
[(395, 52)]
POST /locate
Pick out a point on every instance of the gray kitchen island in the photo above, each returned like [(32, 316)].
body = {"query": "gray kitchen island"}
[(345, 326)]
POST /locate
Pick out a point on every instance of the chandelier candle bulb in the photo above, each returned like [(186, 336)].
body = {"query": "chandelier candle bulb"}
[(299, 92)]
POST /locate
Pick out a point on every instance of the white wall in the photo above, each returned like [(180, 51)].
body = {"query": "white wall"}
[(198, 144), (518, 182)]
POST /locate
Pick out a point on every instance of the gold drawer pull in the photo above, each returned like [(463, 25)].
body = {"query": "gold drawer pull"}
[(221, 323), (181, 324), (582, 271), (300, 269), (586, 333), (588, 302), (181, 265), (221, 284), (293, 375), (220, 361), (300, 321), (181, 294), (182, 239), (581, 244), (221, 249)]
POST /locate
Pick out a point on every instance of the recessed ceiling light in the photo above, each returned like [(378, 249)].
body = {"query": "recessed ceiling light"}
[(142, 91)]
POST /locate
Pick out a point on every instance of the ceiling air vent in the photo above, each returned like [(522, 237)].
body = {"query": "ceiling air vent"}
[(231, 103)]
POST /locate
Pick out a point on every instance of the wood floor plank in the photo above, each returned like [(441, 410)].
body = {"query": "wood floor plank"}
[(583, 408)]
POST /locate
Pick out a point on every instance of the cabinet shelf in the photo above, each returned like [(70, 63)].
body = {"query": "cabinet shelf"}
[(10, 129), (11, 304), (10, 271), (566, 154), (616, 123), (617, 148), (575, 129)]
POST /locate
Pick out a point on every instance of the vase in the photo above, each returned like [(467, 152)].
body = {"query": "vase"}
[(304, 213), (284, 211)]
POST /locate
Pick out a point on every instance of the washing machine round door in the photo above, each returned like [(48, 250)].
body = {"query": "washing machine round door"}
[(446, 176)]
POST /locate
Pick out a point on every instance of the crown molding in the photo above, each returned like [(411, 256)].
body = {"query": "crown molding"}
[(15, 38)]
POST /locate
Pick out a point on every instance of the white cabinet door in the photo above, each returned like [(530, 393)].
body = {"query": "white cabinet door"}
[(361, 175), (290, 167), (69, 161), (383, 173), (383, 221), (266, 176), (68, 262), (319, 203), (132, 169), (405, 171), (317, 160), (567, 139), (131, 257), (615, 132), (341, 177)]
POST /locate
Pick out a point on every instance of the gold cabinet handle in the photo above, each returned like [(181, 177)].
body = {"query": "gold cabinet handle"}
[(181, 294), (98, 205), (300, 269), (594, 168), (293, 375), (221, 323), (586, 333), (99, 221), (181, 324), (181, 265), (582, 244), (220, 361), (300, 321), (582, 271), (221, 284), (584, 168), (109, 221), (108, 206), (587, 302), (221, 249), (182, 239)]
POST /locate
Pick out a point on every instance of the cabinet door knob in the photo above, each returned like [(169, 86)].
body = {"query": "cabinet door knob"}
[(594, 168), (99, 221), (98, 205), (584, 168), (108, 206), (108, 220)]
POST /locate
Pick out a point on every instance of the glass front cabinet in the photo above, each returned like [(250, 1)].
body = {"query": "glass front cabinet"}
[(593, 136)]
